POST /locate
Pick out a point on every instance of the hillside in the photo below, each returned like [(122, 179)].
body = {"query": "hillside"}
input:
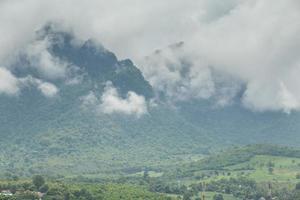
[(62, 135), (237, 173)]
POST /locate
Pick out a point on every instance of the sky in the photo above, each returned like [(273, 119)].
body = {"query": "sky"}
[(227, 45)]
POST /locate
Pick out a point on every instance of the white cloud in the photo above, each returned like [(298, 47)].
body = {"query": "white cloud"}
[(8, 82), (112, 103), (11, 85), (48, 89), (47, 65), (255, 41), (90, 101), (178, 76), (258, 99)]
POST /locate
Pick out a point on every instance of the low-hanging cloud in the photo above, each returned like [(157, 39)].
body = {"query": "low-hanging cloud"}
[(8, 82), (253, 41), (173, 73), (12, 85), (112, 103), (40, 58), (48, 89)]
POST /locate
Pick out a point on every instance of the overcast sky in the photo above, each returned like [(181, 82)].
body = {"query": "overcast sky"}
[(255, 42)]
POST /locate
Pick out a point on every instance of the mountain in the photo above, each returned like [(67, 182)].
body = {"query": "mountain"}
[(57, 136), (62, 136)]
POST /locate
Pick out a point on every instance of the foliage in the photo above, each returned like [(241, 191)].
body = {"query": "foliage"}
[(77, 191), (218, 197), (38, 181)]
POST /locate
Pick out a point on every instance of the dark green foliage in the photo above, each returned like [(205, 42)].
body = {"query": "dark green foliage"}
[(7, 198), (270, 169), (38, 181), (26, 195), (218, 197), (44, 188), (298, 186)]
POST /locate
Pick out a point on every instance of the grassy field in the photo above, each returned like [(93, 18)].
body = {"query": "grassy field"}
[(210, 195), (285, 169)]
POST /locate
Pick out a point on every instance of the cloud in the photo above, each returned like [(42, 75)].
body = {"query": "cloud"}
[(8, 82), (12, 85), (90, 101), (41, 59), (111, 103), (48, 89), (256, 42), (177, 76), (258, 99)]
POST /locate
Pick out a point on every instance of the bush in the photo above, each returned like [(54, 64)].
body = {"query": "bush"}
[(218, 197), (298, 186), (38, 181)]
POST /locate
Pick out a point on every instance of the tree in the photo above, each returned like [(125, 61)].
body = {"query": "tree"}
[(27, 195), (38, 181), (146, 176), (271, 164), (271, 170), (218, 197), (187, 196), (44, 188), (298, 186), (2, 197)]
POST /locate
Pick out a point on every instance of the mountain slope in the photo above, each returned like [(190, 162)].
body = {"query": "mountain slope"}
[(59, 136)]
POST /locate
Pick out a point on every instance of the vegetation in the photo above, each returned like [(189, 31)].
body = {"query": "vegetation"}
[(232, 177), (27, 190)]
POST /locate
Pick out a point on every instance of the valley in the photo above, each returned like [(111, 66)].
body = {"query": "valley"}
[(249, 172)]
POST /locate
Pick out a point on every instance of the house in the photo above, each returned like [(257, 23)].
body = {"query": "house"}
[(40, 195), (6, 193)]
